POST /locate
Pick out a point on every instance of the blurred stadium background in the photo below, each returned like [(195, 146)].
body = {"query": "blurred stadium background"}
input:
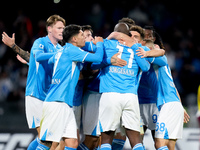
[(176, 21)]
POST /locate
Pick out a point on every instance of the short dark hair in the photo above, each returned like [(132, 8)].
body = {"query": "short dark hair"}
[(70, 31), (150, 28), (138, 29), (156, 35), (87, 27), (128, 21)]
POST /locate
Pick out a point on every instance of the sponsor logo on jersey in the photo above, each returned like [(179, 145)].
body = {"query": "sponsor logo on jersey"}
[(55, 81), (121, 71)]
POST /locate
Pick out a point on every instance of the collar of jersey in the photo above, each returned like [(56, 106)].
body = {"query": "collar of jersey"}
[(48, 40)]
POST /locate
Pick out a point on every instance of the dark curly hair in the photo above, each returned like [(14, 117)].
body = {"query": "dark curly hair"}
[(156, 35)]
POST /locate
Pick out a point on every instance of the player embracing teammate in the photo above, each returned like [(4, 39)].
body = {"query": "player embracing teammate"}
[(53, 75)]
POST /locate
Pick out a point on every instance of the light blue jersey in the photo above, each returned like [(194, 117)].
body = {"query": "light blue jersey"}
[(40, 73), (66, 71), (166, 89), (78, 95), (148, 87), (122, 79)]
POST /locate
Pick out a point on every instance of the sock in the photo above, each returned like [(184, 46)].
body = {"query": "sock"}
[(82, 147), (69, 148), (163, 148), (144, 147), (42, 147), (96, 148), (118, 144), (33, 144), (138, 146), (106, 146)]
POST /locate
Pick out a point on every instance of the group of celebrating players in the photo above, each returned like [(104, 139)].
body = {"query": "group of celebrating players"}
[(110, 88)]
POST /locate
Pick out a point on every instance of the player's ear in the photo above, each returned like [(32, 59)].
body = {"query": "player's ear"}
[(74, 39), (49, 29)]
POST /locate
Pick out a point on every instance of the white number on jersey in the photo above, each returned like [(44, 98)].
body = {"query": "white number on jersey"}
[(130, 61)]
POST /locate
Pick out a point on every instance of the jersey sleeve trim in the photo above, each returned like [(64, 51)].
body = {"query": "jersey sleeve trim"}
[(84, 57), (152, 60)]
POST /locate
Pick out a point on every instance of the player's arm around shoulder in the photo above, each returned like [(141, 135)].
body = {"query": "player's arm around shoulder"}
[(98, 55), (150, 53), (156, 57), (142, 62)]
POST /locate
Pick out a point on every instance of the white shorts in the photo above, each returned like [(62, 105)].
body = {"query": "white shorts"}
[(170, 121), (120, 130), (149, 115), (57, 121), (33, 109), (119, 106), (77, 113), (91, 113)]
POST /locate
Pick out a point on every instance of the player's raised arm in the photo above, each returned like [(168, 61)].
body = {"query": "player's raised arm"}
[(155, 58), (89, 46), (151, 53), (122, 38), (11, 43), (142, 62), (98, 55), (114, 60)]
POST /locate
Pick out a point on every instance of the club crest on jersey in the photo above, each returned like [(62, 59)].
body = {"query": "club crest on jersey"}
[(41, 46)]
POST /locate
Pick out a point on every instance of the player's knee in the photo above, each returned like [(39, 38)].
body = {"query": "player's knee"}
[(73, 143)]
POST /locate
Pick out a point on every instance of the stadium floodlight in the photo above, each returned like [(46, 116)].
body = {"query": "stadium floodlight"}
[(56, 1)]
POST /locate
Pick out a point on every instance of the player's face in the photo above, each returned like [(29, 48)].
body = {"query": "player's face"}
[(136, 36), (80, 39), (88, 35), (148, 34), (56, 30)]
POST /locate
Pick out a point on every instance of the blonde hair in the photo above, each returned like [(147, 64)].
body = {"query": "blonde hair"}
[(53, 19)]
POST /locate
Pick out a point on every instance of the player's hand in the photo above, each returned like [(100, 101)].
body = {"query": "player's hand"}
[(141, 52), (97, 39), (186, 117), (156, 46), (8, 40), (115, 61), (21, 59)]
